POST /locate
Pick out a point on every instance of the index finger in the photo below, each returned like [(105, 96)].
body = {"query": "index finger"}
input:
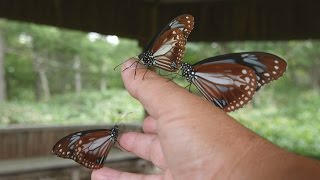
[(158, 95), (146, 146)]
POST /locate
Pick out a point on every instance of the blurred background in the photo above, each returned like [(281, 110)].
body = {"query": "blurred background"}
[(57, 74)]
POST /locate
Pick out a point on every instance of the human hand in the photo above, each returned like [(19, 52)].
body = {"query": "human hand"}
[(189, 138)]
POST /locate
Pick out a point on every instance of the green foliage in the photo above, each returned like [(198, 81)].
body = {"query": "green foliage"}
[(286, 116), (84, 108), (57, 50), (286, 112)]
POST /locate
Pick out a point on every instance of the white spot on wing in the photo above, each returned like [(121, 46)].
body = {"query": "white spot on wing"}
[(247, 79)]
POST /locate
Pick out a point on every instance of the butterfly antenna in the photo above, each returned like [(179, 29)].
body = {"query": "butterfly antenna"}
[(130, 65), (122, 128), (123, 62), (119, 65), (122, 118)]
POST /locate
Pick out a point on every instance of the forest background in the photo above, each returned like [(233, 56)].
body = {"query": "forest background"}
[(51, 76)]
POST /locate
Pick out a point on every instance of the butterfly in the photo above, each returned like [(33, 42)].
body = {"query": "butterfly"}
[(229, 81), (166, 49), (89, 148)]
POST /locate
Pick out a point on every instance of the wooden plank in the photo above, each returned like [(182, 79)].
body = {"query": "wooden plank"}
[(26, 165), (33, 141), (216, 20), (21, 128)]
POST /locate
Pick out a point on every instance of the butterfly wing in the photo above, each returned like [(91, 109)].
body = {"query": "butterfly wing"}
[(89, 148), (228, 86), (267, 67), (166, 49), (184, 23), (169, 49)]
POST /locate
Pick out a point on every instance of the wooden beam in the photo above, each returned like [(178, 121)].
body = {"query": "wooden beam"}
[(216, 20)]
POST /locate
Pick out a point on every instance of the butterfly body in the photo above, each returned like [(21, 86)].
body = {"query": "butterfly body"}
[(147, 59), (89, 148), (229, 81), (187, 72)]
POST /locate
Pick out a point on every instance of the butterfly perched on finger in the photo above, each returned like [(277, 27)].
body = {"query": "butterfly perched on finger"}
[(89, 148), (166, 49), (229, 81)]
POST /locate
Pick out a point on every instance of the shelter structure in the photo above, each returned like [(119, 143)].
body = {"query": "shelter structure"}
[(215, 20)]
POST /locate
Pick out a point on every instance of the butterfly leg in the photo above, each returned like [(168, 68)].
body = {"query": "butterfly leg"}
[(145, 73), (189, 87), (135, 70), (118, 146)]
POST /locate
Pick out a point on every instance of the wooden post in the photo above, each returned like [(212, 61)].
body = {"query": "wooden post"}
[(103, 79), (75, 174)]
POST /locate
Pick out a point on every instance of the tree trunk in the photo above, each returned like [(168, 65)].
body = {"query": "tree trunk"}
[(77, 76), (224, 48), (3, 90), (103, 80), (42, 89), (103, 84), (315, 75)]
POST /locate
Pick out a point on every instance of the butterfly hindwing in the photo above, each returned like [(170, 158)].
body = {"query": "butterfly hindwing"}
[(228, 86)]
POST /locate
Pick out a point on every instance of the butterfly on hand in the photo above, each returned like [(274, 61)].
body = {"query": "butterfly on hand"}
[(89, 148), (229, 81), (166, 49)]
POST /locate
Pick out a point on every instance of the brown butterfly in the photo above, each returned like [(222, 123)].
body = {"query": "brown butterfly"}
[(166, 50), (89, 148), (229, 81)]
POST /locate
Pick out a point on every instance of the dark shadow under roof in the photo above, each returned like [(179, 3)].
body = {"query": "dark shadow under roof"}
[(215, 20)]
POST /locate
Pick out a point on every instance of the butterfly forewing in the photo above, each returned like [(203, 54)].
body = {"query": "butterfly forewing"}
[(267, 66), (89, 148), (184, 22), (228, 86)]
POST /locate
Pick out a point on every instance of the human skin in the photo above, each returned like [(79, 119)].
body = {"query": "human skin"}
[(189, 138)]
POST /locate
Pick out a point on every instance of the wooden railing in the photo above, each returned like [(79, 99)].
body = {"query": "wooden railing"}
[(33, 141), (27, 150)]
